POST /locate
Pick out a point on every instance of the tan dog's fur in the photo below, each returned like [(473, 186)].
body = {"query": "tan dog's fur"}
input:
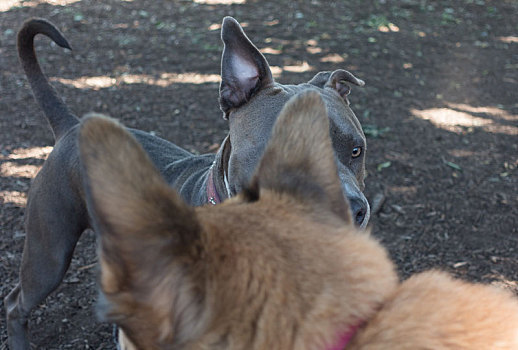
[(280, 266)]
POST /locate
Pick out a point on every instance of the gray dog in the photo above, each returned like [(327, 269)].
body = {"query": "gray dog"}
[(251, 100)]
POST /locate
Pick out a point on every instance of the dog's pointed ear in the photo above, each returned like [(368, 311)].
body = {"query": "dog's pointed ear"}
[(148, 236), (299, 158), (338, 80), (126, 194), (244, 69)]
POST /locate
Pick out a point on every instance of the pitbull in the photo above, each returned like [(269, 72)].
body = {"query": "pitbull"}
[(56, 212)]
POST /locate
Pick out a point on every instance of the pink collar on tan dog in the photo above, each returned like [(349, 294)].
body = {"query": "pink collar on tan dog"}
[(345, 338)]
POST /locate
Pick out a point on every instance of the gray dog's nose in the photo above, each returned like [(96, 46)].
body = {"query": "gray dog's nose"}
[(358, 209)]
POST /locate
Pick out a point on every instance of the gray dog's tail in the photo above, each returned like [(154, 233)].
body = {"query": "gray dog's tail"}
[(56, 112)]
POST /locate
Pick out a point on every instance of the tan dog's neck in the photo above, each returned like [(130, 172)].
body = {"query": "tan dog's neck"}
[(263, 287), (268, 289)]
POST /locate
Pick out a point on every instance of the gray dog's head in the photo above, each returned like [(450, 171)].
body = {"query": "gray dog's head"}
[(251, 100)]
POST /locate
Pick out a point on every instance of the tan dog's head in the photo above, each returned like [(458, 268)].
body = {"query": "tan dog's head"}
[(280, 266)]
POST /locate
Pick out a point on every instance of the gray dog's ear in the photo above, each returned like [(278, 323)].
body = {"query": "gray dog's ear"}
[(338, 80), (299, 158), (244, 70)]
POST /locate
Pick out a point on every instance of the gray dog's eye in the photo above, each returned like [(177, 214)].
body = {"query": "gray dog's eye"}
[(356, 152)]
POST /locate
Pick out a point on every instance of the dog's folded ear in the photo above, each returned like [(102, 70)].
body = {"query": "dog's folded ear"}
[(299, 158), (244, 70), (338, 80), (144, 227)]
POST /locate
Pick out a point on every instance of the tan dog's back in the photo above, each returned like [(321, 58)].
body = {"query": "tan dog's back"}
[(431, 310), (280, 266)]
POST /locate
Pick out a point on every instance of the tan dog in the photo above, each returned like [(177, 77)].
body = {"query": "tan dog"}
[(281, 266)]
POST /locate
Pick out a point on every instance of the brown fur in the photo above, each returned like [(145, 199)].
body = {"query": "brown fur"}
[(431, 310), (280, 266)]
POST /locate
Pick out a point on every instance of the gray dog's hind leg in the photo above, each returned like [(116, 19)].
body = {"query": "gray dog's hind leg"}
[(52, 234), (16, 325)]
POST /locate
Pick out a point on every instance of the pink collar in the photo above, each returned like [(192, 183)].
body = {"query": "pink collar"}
[(345, 338), (212, 193)]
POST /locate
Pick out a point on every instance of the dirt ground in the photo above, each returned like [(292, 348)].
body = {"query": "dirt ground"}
[(440, 110)]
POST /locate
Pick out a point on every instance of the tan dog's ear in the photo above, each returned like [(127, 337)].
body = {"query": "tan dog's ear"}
[(149, 237), (299, 158)]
